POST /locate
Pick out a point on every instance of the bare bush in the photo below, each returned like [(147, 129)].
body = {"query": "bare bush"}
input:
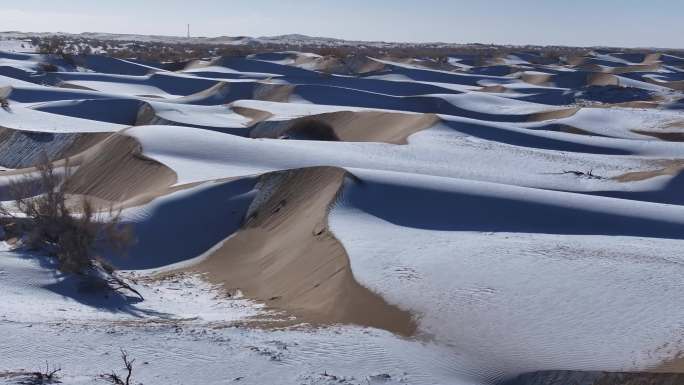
[(39, 377), (48, 67), (115, 378), (47, 376), (51, 45), (72, 233)]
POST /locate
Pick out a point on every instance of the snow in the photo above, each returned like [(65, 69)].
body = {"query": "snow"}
[(486, 103), (518, 298), (284, 111), (513, 60), (627, 82), (184, 353), (184, 322), (220, 71), (25, 119), (212, 211), (514, 243), (197, 155), (127, 89), (6, 81), (57, 298), (23, 46), (209, 116), (619, 122)]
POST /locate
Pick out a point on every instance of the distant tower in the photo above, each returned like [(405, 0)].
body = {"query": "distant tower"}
[(188, 31)]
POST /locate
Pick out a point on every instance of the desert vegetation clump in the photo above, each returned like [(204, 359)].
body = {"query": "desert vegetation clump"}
[(115, 379), (47, 376), (44, 218), (174, 55), (48, 67)]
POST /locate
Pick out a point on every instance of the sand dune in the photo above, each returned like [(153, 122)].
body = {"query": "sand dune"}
[(469, 220), (22, 149), (405, 258), (668, 168), (285, 256), (359, 126), (569, 79), (116, 170)]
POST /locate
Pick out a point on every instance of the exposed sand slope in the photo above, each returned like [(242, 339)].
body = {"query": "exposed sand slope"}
[(675, 365), (109, 169), (670, 167), (20, 149), (116, 170), (350, 126), (274, 92), (670, 136), (556, 114), (285, 256), (595, 378), (251, 113)]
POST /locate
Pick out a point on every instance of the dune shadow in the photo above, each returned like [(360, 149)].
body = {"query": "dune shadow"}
[(90, 291), (671, 193), (119, 111), (478, 209), (187, 224), (531, 140)]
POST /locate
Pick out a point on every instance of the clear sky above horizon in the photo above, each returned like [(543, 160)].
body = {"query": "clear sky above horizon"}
[(628, 23)]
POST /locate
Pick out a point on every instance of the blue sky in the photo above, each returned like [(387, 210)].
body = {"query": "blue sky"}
[(627, 23)]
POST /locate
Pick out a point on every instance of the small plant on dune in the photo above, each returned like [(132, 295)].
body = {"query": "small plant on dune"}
[(48, 67), (47, 376), (115, 378), (73, 233)]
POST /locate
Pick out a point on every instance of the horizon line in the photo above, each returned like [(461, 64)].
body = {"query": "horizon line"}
[(341, 40)]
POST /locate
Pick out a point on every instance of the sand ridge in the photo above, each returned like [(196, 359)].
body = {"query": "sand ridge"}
[(350, 126), (285, 256), (116, 170), (668, 167), (22, 149)]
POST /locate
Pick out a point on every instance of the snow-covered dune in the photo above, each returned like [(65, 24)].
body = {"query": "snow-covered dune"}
[(311, 219), (519, 279)]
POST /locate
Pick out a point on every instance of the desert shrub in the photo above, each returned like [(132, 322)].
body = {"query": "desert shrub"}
[(52, 45), (74, 234), (48, 67), (46, 376), (115, 379)]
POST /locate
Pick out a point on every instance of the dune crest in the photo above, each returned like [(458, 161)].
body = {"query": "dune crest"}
[(349, 126), (285, 256), (115, 170)]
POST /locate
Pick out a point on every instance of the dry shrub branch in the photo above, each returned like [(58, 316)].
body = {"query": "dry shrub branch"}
[(74, 234)]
